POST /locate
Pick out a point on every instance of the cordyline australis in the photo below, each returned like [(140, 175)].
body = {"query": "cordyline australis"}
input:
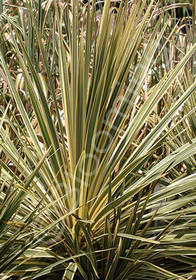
[(97, 118)]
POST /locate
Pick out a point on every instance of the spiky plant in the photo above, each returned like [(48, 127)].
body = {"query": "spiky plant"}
[(90, 186)]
